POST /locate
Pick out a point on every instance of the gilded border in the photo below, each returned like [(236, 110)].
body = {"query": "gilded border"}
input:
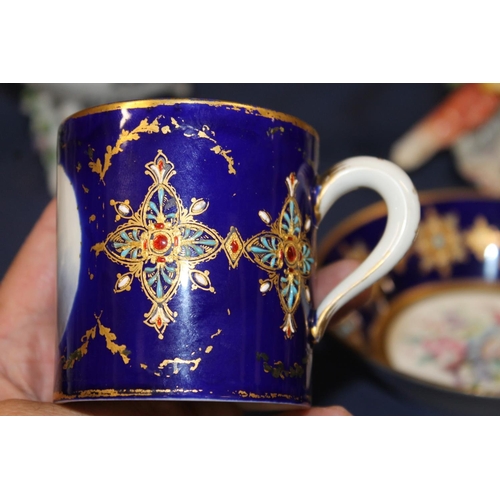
[(153, 103), (166, 395), (377, 210)]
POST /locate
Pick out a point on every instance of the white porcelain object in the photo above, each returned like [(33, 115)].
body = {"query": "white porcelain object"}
[(398, 192), (69, 243)]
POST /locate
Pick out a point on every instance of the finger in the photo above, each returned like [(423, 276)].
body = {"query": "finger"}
[(28, 315), (20, 407), (330, 276), (156, 408), (28, 290), (319, 411)]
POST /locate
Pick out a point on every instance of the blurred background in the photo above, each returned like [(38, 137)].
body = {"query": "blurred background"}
[(351, 119)]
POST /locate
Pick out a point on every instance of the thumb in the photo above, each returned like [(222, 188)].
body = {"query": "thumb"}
[(329, 277), (28, 290)]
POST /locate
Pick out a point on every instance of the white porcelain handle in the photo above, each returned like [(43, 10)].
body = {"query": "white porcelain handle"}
[(403, 207)]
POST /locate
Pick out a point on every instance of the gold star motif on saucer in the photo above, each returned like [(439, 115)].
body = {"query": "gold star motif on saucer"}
[(439, 243), (480, 236)]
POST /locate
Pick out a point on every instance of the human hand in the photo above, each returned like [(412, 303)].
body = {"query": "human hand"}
[(28, 326)]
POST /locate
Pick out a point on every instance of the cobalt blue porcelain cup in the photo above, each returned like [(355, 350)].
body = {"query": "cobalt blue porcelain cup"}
[(186, 251)]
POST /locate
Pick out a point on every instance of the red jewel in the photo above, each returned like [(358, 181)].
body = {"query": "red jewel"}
[(281, 254), (160, 242), (160, 165), (160, 259), (159, 225), (158, 321), (291, 254), (176, 241), (292, 177), (234, 246), (144, 245)]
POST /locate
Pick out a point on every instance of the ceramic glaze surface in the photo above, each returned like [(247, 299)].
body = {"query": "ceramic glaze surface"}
[(195, 254), (186, 232), (458, 238), (435, 316)]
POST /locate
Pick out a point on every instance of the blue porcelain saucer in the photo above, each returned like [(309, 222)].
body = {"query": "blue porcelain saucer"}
[(432, 325)]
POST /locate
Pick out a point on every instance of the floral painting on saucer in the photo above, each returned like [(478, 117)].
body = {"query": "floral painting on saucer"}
[(436, 317)]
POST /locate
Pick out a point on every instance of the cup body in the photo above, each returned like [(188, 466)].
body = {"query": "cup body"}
[(185, 251)]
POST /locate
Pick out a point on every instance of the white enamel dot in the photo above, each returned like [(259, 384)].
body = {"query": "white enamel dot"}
[(265, 287), (200, 278), (199, 206), (124, 281), (265, 216), (307, 225), (123, 209)]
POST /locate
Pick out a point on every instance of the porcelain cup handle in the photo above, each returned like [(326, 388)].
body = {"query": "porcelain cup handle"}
[(403, 207)]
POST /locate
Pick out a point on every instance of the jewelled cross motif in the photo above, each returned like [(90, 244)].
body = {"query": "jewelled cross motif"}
[(285, 254), (161, 244)]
